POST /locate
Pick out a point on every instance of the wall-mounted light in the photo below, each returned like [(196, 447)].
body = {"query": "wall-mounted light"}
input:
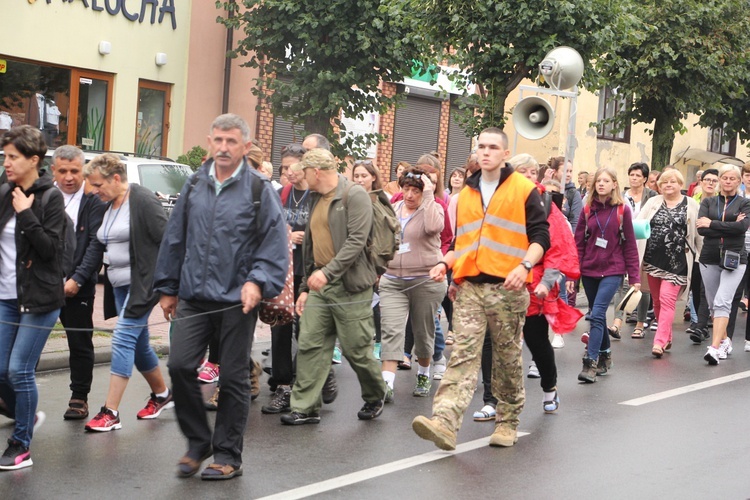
[(161, 58), (105, 47)]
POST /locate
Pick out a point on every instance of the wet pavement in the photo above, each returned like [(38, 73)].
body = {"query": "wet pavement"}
[(680, 435)]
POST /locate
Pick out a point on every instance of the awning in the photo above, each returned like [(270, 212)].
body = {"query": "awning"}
[(702, 158)]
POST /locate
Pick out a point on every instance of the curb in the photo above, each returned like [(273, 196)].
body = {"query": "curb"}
[(61, 360)]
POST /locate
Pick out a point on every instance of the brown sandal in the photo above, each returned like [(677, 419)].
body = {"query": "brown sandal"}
[(657, 351), (78, 409), (188, 467), (638, 334)]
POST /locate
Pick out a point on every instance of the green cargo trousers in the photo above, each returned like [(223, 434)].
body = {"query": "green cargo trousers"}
[(477, 308), (333, 312)]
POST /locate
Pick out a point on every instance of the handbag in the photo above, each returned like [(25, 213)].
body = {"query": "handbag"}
[(280, 310)]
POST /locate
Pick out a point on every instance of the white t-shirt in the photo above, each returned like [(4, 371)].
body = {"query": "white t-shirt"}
[(73, 204), (487, 189), (8, 261)]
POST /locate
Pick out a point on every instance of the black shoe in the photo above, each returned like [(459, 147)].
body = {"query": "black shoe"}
[(587, 316), (632, 318), (370, 410), (297, 418), (691, 328), (604, 364), (280, 402), (330, 388), (699, 335), (588, 373)]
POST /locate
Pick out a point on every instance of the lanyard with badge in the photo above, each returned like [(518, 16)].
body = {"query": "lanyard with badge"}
[(601, 242), (404, 247), (107, 229)]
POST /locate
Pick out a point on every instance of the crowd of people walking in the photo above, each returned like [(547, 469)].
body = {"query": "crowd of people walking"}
[(500, 248)]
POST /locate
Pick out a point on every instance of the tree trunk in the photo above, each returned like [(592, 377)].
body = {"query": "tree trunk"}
[(318, 124), (662, 142)]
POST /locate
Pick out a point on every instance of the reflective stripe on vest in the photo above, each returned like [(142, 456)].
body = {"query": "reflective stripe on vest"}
[(495, 242)]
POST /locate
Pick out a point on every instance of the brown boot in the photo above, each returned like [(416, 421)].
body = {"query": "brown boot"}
[(588, 373), (604, 364), (255, 372)]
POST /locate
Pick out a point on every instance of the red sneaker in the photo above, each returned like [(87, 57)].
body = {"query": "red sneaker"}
[(104, 421), (155, 405), (585, 338), (208, 373)]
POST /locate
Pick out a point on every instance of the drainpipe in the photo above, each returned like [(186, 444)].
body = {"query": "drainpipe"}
[(228, 64)]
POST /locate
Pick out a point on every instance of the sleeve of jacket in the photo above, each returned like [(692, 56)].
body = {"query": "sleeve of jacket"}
[(44, 237), (537, 227), (359, 221), (92, 258), (270, 261), (434, 215), (724, 228), (172, 248), (575, 209)]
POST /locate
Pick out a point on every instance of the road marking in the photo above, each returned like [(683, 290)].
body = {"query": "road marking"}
[(686, 389), (380, 470)]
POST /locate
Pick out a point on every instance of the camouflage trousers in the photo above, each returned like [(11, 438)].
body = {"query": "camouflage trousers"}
[(480, 308)]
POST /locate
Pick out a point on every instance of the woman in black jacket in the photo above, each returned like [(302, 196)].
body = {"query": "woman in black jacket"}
[(131, 231), (723, 221), (32, 221)]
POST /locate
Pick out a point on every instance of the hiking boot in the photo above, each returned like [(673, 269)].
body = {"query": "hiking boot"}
[(370, 410), (422, 388), (213, 402), (297, 418), (330, 388), (155, 405), (432, 430), (604, 364), (588, 373), (16, 456), (503, 436), (104, 421), (255, 372), (280, 403)]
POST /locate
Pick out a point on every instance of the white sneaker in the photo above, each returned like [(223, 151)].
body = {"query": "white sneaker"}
[(558, 342), (438, 368), (712, 356), (533, 371), (654, 326), (747, 346), (725, 348)]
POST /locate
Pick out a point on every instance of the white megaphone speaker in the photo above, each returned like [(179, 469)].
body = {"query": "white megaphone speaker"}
[(533, 117), (562, 68)]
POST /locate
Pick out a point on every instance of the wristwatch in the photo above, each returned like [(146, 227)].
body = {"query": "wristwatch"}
[(527, 265)]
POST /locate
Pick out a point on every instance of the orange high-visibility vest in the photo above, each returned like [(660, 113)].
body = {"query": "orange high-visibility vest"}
[(494, 242)]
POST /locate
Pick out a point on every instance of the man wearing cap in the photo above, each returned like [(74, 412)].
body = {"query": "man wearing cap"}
[(222, 252), (336, 293)]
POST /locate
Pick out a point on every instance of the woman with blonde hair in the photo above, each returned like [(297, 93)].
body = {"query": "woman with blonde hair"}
[(723, 221), (607, 252), (667, 256)]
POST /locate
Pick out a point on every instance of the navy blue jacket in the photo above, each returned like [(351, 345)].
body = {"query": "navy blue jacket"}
[(212, 245)]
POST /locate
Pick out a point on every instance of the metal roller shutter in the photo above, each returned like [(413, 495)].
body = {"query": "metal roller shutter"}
[(283, 135), (415, 131), (459, 146)]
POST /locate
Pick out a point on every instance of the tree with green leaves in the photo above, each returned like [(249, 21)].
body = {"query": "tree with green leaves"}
[(680, 57), (499, 44), (317, 59)]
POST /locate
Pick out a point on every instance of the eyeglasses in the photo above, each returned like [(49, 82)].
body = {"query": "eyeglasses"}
[(711, 181), (363, 162)]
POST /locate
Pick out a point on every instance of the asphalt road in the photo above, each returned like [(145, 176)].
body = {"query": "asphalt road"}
[(688, 443)]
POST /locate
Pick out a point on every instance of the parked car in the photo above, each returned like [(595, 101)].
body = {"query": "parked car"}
[(161, 175)]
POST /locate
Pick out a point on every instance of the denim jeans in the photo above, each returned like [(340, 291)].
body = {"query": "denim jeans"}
[(599, 292), (130, 340), (20, 349)]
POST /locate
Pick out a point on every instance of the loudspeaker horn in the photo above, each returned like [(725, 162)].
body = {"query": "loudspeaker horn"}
[(562, 68), (533, 117)]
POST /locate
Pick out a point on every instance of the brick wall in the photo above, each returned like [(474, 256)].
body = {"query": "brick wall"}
[(385, 148), (264, 130), (445, 116)]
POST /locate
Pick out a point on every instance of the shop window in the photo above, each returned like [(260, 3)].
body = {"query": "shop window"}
[(69, 106), (719, 142), (36, 95), (611, 103), (152, 123)]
